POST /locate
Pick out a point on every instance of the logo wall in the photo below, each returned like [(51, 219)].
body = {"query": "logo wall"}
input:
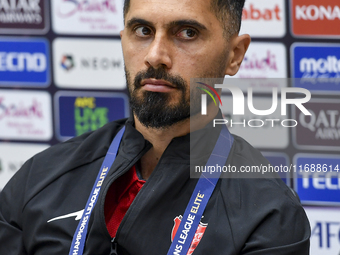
[(263, 61), (80, 112), (24, 62), (13, 156), (25, 115), (317, 66), (315, 18), (94, 17), (317, 179), (325, 228), (24, 16), (265, 18), (321, 130), (90, 63)]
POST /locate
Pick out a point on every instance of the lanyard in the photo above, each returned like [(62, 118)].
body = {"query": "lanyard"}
[(194, 211), (201, 195), (79, 237)]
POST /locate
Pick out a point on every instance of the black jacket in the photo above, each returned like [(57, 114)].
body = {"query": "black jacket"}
[(244, 216)]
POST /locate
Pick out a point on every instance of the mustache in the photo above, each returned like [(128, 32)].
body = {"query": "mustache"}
[(160, 74)]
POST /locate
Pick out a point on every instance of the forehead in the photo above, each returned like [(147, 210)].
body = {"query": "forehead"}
[(170, 10)]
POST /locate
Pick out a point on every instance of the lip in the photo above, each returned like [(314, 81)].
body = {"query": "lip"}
[(155, 85)]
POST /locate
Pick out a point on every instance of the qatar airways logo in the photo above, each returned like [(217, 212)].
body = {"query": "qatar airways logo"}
[(68, 8), (19, 110), (254, 62)]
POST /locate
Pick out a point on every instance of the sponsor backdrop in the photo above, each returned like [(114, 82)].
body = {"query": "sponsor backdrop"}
[(62, 74)]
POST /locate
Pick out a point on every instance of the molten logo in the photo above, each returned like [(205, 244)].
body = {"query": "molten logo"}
[(322, 65)]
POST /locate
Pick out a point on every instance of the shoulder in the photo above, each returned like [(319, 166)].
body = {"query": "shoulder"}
[(263, 210)]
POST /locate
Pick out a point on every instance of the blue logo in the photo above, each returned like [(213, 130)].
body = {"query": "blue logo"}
[(317, 179), (317, 67), (81, 112), (24, 63)]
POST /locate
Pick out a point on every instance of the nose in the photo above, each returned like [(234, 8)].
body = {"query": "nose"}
[(159, 53)]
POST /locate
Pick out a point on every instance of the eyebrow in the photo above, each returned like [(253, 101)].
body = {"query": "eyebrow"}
[(135, 21), (185, 22)]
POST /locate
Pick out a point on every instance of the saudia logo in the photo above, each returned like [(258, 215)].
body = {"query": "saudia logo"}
[(20, 110), (87, 116), (69, 8), (262, 64), (239, 103)]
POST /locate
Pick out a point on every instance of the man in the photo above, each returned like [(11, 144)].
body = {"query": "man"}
[(144, 196)]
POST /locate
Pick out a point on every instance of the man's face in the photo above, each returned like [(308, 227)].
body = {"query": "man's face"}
[(165, 43)]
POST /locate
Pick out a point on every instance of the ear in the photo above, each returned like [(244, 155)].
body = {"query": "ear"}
[(238, 48), (121, 34)]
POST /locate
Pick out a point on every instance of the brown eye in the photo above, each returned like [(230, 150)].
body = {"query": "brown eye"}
[(143, 31), (187, 33)]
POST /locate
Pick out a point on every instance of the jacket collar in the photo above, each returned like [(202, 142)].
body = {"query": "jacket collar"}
[(194, 145)]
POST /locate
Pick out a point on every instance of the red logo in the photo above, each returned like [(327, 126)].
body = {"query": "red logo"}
[(198, 234), (315, 17), (254, 13)]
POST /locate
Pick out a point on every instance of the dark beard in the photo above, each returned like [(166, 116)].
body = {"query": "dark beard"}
[(153, 108)]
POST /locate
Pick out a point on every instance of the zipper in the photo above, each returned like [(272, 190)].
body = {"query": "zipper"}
[(140, 193), (111, 180), (113, 247)]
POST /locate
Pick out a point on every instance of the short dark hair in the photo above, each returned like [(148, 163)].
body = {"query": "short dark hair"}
[(228, 12)]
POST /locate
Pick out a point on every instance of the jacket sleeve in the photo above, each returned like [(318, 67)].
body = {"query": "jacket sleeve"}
[(283, 229), (11, 206)]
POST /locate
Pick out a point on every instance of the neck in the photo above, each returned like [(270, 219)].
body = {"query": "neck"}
[(160, 138)]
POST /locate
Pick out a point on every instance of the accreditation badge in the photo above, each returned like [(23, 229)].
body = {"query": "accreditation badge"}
[(198, 234)]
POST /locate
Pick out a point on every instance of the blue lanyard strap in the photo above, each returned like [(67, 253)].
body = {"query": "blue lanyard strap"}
[(79, 237), (194, 211), (201, 195)]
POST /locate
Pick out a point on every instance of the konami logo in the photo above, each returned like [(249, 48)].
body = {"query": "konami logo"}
[(316, 18), (265, 18)]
